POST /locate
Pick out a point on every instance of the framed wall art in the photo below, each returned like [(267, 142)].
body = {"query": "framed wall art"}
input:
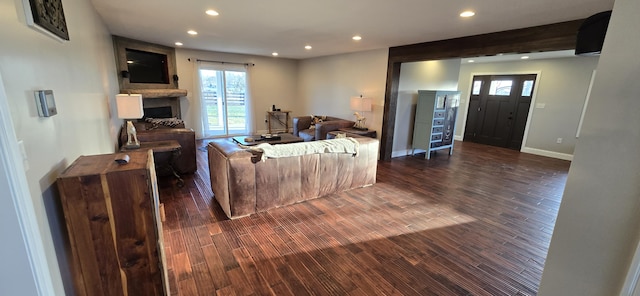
[(47, 15)]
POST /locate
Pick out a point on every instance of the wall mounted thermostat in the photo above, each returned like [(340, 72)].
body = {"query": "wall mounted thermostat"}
[(46, 103)]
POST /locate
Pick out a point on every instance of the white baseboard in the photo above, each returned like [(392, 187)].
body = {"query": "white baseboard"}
[(458, 138), (540, 152), (547, 153), (401, 153)]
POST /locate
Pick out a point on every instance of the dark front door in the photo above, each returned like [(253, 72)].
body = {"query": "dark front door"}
[(498, 109)]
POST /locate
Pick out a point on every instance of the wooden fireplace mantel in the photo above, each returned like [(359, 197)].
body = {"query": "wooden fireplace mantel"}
[(154, 98), (156, 93)]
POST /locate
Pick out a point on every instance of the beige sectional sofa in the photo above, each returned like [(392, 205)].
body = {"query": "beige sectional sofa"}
[(243, 184)]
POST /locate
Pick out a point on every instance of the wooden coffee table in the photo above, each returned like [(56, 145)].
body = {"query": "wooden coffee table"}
[(284, 138)]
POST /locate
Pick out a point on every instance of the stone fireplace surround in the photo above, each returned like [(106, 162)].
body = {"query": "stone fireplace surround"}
[(153, 98)]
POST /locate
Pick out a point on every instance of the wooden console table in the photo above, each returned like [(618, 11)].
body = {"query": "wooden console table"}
[(165, 154), (365, 133), (275, 115)]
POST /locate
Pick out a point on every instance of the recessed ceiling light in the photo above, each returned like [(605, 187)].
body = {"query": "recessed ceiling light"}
[(192, 32), (467, 13), (524, 57), (307, 47), (179, 44), (275, 54), (212, 12), (356, 38), (129, 62), (471, 61)]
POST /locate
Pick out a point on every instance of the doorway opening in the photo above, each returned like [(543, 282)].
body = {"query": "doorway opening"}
[(224, 100), (498, 109)]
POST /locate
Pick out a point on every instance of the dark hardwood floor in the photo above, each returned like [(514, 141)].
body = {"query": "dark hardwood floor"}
[(476, 223)]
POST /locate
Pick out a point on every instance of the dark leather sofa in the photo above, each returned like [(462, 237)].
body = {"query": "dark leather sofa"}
[(243, 185), (302, 127)]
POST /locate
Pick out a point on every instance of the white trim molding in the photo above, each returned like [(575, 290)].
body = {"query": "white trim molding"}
[(547, 153), (401, 153), (631, 286), (586, 103), (11, 159)]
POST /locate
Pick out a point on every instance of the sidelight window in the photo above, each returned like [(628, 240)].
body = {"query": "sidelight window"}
[(477, 85), (527, 88)]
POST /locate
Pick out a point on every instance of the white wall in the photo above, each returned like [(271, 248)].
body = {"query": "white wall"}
[(597, 226), (81, 73), (326, 85), (428, 75), (562, 87), (272, 82)]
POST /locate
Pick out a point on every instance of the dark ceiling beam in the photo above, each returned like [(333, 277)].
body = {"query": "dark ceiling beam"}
[(553, 37)]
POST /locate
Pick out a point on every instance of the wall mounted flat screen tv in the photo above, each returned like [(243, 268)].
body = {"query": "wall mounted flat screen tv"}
[(147, 67), (143, 65)]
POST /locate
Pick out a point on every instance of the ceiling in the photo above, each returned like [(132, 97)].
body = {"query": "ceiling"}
[(260, 27)]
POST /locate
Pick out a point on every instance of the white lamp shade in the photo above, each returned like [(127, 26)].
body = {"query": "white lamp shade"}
[(129, 106), (360, 104)]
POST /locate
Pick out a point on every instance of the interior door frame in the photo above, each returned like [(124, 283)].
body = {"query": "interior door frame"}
[(465, 111), (552, 37), (14, 176)]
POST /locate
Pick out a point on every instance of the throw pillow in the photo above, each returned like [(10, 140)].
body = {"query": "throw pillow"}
[(316, 119), (170, 122)]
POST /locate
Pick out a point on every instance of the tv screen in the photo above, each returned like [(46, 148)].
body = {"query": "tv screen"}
[(147, 67)]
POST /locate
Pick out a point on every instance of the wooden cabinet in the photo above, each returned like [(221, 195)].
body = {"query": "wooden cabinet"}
[(113, 220), (435, 121)]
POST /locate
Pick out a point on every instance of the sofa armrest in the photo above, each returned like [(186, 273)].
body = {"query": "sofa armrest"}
[(325, 127), (301, 123), (232, 175)]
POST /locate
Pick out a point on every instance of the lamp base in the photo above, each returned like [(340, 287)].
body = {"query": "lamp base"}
[(131, 146), (360, 122), (132, 137)]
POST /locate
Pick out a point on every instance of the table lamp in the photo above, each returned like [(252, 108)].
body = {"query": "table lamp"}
[(130, 107), (362, 105)]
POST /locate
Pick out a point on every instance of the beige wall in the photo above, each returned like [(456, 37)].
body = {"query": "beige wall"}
[(81, 73), (326, 84), (272, 81), (562, 87), (597, 226), (429, 75)]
